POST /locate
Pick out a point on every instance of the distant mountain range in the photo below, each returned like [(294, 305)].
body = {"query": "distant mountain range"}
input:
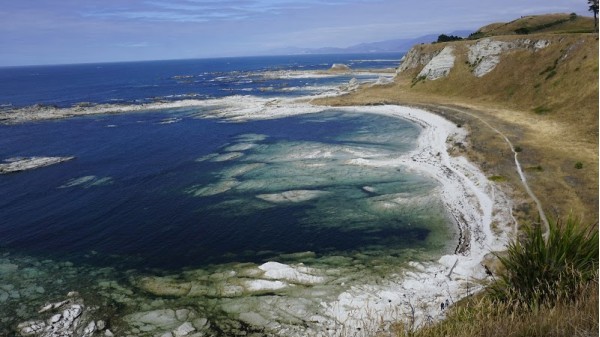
[(386, 46)]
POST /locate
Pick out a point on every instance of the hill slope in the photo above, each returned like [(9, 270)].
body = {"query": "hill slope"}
[(539, 89), (549, 23)]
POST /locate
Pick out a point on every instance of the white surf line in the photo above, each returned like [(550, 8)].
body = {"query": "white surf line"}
[(518, 166)]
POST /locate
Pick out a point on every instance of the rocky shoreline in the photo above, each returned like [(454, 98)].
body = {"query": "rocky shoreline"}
[(279, 299)]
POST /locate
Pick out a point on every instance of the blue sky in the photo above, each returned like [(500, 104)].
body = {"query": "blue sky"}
[(76, 31)]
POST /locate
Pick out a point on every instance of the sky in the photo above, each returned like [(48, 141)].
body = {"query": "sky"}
[(83, 31)]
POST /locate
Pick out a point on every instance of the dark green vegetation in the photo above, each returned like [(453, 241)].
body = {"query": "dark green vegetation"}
[(540, 271), (448, 38)]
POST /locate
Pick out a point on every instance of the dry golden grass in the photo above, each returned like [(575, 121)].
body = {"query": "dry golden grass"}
[(481, 317), (544, 101), (557, 23)]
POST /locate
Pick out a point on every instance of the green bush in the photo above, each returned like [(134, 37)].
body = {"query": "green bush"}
[(579, 165), (541, 110), (448, 38), (540, 271), (518, 148), (551, 74), (522, 31)]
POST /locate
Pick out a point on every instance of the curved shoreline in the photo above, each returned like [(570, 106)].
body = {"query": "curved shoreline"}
[(467, 194), (473, 201)]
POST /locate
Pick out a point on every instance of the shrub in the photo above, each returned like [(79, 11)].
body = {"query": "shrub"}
[(540, 271), (551, 74), (540, 110), (522, 31), (448, 38), (579, 165), (476, 35), (518, 149)]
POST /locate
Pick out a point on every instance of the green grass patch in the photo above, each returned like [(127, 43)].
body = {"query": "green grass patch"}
[(417, 80), (551, 74), (541, 110), (537, 168), (497, 179)]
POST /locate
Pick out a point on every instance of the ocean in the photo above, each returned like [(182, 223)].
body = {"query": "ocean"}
[(180, 196)]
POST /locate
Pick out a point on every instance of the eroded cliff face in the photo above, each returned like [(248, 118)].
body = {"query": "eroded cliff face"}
[(416, 57), (437, 61)]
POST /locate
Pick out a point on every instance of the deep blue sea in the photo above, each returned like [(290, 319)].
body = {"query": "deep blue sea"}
[(137, 82), (172, 192)]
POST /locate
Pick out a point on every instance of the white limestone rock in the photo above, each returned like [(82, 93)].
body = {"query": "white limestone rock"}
[(162, 318), (17, 164), (486, 53), (415, 58), (184, 329), (66, 323), (259, 286), (352, 85), (440, 65), (297, 274), (339, 67)]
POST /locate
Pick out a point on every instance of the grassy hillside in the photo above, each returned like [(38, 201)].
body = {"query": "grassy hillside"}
[(549, 23), (545, 100)]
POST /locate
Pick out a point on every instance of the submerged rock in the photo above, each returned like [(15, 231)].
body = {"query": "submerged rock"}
[(297, 274), (17, 164), (292, 196), (87, 182), (167, 322), (213, 189)]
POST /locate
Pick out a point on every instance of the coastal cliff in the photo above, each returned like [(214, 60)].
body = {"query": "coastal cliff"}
[(540, 90)]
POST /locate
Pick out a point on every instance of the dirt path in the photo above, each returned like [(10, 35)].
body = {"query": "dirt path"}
[(532, 195)]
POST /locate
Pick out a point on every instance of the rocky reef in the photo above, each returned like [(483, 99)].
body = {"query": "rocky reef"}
[(17, 164), (68, 318)]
